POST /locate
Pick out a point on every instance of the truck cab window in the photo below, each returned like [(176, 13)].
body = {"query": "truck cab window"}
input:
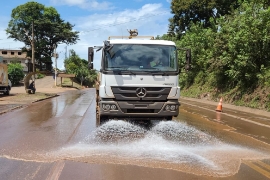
[(141, 58)]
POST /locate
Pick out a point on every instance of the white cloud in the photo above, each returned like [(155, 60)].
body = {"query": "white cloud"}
[(4, 42), (97, 24), (84, 4), (150, 19)]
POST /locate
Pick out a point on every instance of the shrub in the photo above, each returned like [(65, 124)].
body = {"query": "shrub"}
[(15, 73)]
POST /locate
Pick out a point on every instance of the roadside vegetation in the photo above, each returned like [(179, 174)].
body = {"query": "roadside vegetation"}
[(41, 29), (75, 65), (230, 45), (15, 73)]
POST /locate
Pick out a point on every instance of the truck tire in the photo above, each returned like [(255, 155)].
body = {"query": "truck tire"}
[(98, 122), (103, 120), (7, 91), (97, 117), (100, 119), (170, 118)]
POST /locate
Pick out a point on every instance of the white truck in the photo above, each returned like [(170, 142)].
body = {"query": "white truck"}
[(138, 79), (5, 84)]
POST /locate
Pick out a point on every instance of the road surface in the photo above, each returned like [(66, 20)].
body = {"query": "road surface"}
[(57, 139)]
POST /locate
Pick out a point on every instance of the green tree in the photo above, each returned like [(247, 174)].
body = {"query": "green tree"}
[(200, 40), (234, 55), (230, 57), (186, 12), (242, 45), (15, 73), (75, 65), (49, 29)]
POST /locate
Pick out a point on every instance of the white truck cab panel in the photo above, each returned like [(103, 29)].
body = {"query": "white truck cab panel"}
[(138, 79)]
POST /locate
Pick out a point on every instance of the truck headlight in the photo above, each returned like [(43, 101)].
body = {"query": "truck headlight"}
[(107, 107), (170, 107), (173, 107), (113, 107), (167, 107)]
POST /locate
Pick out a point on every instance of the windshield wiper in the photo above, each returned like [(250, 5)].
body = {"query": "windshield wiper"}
[(156, 71), (122, 70), (115, 67), (151, 68), (129, 72), (160, 73)]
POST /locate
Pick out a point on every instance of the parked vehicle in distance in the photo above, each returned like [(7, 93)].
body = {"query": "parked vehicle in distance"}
[(5, 83)]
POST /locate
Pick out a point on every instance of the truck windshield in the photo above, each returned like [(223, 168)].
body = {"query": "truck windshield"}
[(138, 57)]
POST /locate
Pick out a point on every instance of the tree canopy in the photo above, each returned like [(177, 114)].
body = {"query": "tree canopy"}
[(231, 59), (186, 12), (49, 29), (75, 65)]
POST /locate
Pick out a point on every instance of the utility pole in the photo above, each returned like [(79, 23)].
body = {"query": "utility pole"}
[(33, 48), (55, 70), (32, 41)]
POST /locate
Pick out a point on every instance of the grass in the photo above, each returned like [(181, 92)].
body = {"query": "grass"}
[(258, 99)]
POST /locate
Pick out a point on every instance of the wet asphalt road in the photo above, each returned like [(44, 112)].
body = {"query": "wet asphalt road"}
[(57, 139)]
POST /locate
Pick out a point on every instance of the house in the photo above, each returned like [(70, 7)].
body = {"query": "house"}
[(18, 56)]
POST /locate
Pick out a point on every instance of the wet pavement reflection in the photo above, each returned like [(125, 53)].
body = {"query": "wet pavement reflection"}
[(58, 136)]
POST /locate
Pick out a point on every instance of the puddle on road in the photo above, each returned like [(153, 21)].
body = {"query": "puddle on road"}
[(171, 145)]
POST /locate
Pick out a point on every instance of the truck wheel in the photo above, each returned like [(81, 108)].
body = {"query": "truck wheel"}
[(100, 120), (97, 117), (7, 91), (97, 98), (103, 120), (169, 118)]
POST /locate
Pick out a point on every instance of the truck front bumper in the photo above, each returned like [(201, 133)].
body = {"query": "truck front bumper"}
[(139, 110)]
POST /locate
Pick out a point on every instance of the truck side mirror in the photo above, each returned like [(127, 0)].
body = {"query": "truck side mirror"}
[(90, 57), (188, 59)]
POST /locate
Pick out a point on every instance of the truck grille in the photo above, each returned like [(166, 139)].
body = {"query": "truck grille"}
[(139, 111), (141, 93)]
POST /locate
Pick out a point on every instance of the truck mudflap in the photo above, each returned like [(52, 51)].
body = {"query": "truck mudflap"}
[(139, 110)]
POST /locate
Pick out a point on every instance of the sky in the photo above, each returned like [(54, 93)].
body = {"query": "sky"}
[(96, 20)]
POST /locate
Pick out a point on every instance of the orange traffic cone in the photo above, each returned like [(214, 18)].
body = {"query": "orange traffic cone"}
[(219, 107)]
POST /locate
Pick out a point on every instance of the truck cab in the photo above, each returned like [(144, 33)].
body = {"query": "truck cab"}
[(138, 80)]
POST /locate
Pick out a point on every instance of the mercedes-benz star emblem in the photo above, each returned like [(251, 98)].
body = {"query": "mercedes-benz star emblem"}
[(141, 92)]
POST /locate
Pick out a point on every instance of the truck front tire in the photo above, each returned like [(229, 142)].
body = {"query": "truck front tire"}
[(100, 119), (6, 92), (97, 117)]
